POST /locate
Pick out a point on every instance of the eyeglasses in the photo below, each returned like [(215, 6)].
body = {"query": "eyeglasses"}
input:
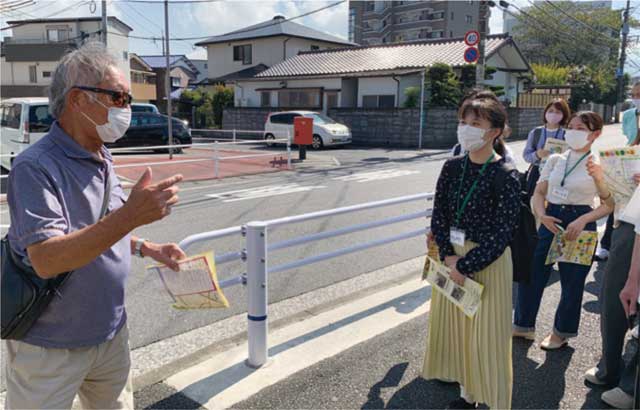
[(119, 98)]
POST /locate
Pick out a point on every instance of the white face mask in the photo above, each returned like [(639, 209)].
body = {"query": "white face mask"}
[(636, 102), (118, 121), (553, 118), (470, 138), (576, 139)]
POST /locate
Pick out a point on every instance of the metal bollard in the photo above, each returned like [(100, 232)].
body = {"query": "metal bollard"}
[(234, 135), (216, 159), (257, 293)]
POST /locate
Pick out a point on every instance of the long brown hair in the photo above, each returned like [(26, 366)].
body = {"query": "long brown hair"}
[(492, 110)]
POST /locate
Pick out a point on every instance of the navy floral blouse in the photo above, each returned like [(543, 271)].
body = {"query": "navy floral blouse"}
[(489, 219)]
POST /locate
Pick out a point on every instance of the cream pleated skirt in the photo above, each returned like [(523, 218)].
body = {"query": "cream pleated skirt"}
[(475, 352)]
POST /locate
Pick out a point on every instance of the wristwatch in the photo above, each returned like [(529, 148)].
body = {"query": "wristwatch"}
[(137, 250)]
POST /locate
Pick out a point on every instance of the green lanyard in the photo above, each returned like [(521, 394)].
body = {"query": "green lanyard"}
[(473, 186), (566, 164)]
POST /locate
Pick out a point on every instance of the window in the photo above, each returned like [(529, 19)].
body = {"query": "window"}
[(424, 15), (46, 74), (175, 81), (450, 34), (424, 33), (332, 100), (242, 53), (11, 116), (39, 118), (400, 37), (452, 16), (265, 99), (205, 66), (437, 16), (468, 19), (33, 74), (378, 101), (314, 47), (299, 98), (283, 118), (369, 6), (437, 34), (57, 34), (125, 56)]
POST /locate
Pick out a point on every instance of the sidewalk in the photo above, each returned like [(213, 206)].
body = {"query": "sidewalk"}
[(379, 351)]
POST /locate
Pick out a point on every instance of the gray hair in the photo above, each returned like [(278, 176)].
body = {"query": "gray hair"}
[(86, 66)]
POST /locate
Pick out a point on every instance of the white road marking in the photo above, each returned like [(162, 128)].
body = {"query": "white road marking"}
[(224, 379), (262, 192), (376, 175)]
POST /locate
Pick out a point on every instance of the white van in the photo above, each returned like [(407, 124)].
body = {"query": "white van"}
[(23, 121), (325, 130)]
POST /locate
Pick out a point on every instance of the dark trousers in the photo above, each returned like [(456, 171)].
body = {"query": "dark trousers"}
[(613, 321), (605, 242), (572, 279)]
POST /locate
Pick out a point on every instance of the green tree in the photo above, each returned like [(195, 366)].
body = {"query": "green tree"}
[(222, 98), (413, 97), (551, 74), (546, 34), (443, 86)]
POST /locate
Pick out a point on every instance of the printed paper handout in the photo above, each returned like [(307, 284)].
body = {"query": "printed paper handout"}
[(619, 166), (467, 297), (579, 251), (432, 253), (554, 146), (195, 286)]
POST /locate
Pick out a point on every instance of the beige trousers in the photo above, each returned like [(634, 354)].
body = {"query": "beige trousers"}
[(43, 378)]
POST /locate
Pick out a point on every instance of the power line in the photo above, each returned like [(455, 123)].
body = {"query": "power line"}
[(579, 21), (16, 5), (275, 22), (50, 15)]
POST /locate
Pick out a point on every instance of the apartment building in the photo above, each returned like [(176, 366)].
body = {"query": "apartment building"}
[(383, 22), (34, 48)]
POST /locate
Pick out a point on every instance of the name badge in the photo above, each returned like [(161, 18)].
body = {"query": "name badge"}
[(456, 236), (560, 192)]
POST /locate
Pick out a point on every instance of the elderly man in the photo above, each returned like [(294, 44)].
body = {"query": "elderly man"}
[(56, 189)]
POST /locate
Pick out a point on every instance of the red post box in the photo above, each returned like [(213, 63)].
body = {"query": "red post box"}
[(302, 130)]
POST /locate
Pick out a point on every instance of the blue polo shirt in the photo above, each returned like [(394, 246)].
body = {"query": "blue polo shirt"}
[(56, 187)]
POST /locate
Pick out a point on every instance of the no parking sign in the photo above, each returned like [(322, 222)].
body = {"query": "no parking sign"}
[(471, 55)]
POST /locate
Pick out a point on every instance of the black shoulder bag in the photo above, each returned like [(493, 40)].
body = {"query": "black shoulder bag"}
[(25, 295)]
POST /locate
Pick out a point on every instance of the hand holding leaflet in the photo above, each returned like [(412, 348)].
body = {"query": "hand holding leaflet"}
[(467, 297)]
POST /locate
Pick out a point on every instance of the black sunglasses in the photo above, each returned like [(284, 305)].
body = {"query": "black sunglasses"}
[(119, 98)]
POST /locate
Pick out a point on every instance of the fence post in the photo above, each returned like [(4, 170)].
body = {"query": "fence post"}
[(216, 159), (288, 150), (234, 135), (257, 263)]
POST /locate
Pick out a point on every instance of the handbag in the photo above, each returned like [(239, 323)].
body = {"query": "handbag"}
[(25, 295)]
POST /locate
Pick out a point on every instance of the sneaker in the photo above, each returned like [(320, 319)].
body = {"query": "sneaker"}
[(617, 399), (548, 344), (602, 254), (530, 335), (634, 332), (591, 377), (461, 403)]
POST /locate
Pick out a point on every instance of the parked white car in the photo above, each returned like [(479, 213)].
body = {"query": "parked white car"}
[(325, 130), (23, 121)]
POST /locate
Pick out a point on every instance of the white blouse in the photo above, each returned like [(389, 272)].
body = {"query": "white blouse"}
[(580, 187)]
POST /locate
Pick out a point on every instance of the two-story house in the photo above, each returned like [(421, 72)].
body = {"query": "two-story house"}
[(31, 53), (248, 51), (183, 73), (143, 80)]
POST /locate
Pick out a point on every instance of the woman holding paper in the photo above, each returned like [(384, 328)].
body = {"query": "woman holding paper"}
[(555, 117), (569, 192), (473, 222)]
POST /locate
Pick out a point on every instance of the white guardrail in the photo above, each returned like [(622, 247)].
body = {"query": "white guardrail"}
[(216, 144), (258, 248)]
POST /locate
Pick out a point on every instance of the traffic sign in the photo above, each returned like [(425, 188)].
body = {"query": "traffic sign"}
[(471, 38), (471, 55)]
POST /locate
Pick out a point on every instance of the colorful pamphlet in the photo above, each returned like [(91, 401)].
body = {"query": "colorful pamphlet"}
[(467, 297), (195, 286), (556, 146), (579, 251), (619, 166)]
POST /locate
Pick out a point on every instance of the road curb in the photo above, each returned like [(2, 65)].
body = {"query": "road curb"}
[(162, 372)]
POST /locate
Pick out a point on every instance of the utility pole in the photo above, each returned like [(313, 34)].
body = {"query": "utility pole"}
[(162, 42), (623, 57), (482, 29), (167, 77), (103, 30)]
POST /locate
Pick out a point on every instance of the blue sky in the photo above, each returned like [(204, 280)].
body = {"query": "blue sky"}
[(208, 19)]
